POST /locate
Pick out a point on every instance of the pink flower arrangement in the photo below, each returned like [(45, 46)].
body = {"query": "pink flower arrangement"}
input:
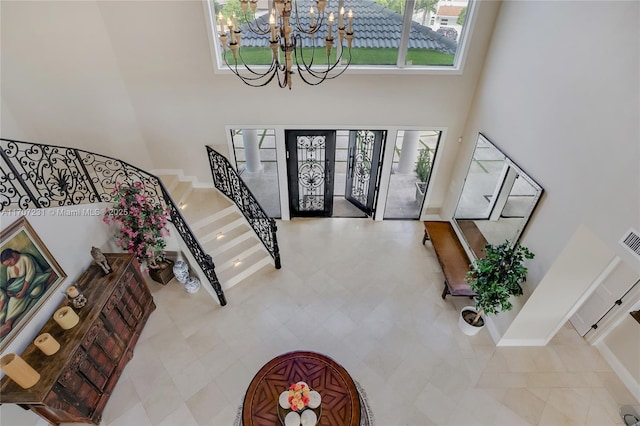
[(299, 396), (141, 225)]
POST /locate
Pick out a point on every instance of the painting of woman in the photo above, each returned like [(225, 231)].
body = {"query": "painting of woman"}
[(28, 276)]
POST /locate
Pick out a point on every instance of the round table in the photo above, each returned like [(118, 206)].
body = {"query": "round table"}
[(340, 399)]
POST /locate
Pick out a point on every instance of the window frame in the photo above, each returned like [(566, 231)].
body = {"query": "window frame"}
[(219, 67)]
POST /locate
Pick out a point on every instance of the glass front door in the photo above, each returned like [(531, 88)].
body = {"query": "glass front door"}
[(310, 159), (365, 147)]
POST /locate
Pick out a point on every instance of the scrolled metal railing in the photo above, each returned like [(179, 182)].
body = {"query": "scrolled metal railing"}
[(34, 175), (227, 181)]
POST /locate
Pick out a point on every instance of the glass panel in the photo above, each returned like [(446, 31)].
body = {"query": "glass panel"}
[(486, 171), (377, 28), (256, 163), (435, 32), (405, 196), (362, 160), (311, 181)]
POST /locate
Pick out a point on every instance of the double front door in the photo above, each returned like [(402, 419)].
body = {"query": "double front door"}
[(312, 159)]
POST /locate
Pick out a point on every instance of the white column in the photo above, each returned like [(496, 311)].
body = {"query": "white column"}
[(251, 150), (409, 152)]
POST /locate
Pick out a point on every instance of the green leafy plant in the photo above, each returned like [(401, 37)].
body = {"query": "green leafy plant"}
[(423, 165), (498, 276), (141, 224)]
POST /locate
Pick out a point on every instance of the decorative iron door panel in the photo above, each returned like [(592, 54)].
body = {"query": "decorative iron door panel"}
[(365, 148), (310, 159)]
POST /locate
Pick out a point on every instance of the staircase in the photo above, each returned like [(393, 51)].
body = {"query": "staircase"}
[(221, 229)]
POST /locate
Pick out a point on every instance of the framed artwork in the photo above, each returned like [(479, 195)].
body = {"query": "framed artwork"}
[(28, 277)]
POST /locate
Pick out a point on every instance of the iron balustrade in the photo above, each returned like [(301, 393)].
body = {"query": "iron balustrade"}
[(34, 175), (227, 181)]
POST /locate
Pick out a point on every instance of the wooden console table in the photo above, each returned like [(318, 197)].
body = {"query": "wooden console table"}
[(340, 399), (76, 382)]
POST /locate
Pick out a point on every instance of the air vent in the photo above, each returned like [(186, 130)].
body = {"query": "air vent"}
[(631, 241)]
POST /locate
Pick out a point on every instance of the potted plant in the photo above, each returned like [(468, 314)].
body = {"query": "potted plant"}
[(494, 278), (142, 227), (422, 170)]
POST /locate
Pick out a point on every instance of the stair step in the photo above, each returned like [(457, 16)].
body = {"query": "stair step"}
[(203, 203), (212, 231), (232, 276), (218, 246), (180, 193), (170, 182), (220, 218), (240, 251)]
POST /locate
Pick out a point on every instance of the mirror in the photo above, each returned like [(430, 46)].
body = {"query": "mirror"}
[(496, 201)]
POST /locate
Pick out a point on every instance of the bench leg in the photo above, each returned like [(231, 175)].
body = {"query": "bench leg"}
[(425, 237), (445, 291)]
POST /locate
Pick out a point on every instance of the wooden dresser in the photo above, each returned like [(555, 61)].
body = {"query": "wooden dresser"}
[(76, 382)]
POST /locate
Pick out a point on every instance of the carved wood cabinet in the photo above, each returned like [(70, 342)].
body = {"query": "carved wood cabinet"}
[(76, 382)]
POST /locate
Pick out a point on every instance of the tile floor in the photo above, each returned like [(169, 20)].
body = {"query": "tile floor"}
[(368, 295)]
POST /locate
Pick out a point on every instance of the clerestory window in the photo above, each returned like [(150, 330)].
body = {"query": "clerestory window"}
[(389, 35)]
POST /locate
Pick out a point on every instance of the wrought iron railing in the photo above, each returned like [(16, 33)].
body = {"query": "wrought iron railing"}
[(227, 180), (35, 175)]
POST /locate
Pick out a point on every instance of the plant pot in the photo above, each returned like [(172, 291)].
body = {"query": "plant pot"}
[(163, 273), (465, 327), (421, 190)]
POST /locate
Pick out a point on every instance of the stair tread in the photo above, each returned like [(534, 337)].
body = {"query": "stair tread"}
[(239, 251), (249, 263)]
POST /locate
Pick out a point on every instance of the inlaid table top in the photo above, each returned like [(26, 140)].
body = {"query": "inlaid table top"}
[(340, 400)]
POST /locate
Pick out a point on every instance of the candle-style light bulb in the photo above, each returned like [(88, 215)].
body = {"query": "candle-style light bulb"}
[(235, 22), (230, 25), (341, 18), (272, 23), (331, 19), (221, 21), (350, 18), (312, 18)]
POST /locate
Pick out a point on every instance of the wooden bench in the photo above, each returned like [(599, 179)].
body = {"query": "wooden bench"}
[(452, 257)]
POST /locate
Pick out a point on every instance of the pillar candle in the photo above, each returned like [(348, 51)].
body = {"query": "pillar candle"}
[(72, 292), (66, 318), (19, 371), (47, 344)]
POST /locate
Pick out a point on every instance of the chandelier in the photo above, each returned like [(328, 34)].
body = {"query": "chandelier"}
[(292, 38)]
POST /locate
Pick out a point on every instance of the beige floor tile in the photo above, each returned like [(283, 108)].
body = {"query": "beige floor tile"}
[(162, 399), (209, 402), (525, 404), (123, 398), (436, 405), (181, 416), (136, 415)]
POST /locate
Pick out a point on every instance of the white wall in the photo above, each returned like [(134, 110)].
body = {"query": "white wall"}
[(561, 98), (61, 81), (99, 74)]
